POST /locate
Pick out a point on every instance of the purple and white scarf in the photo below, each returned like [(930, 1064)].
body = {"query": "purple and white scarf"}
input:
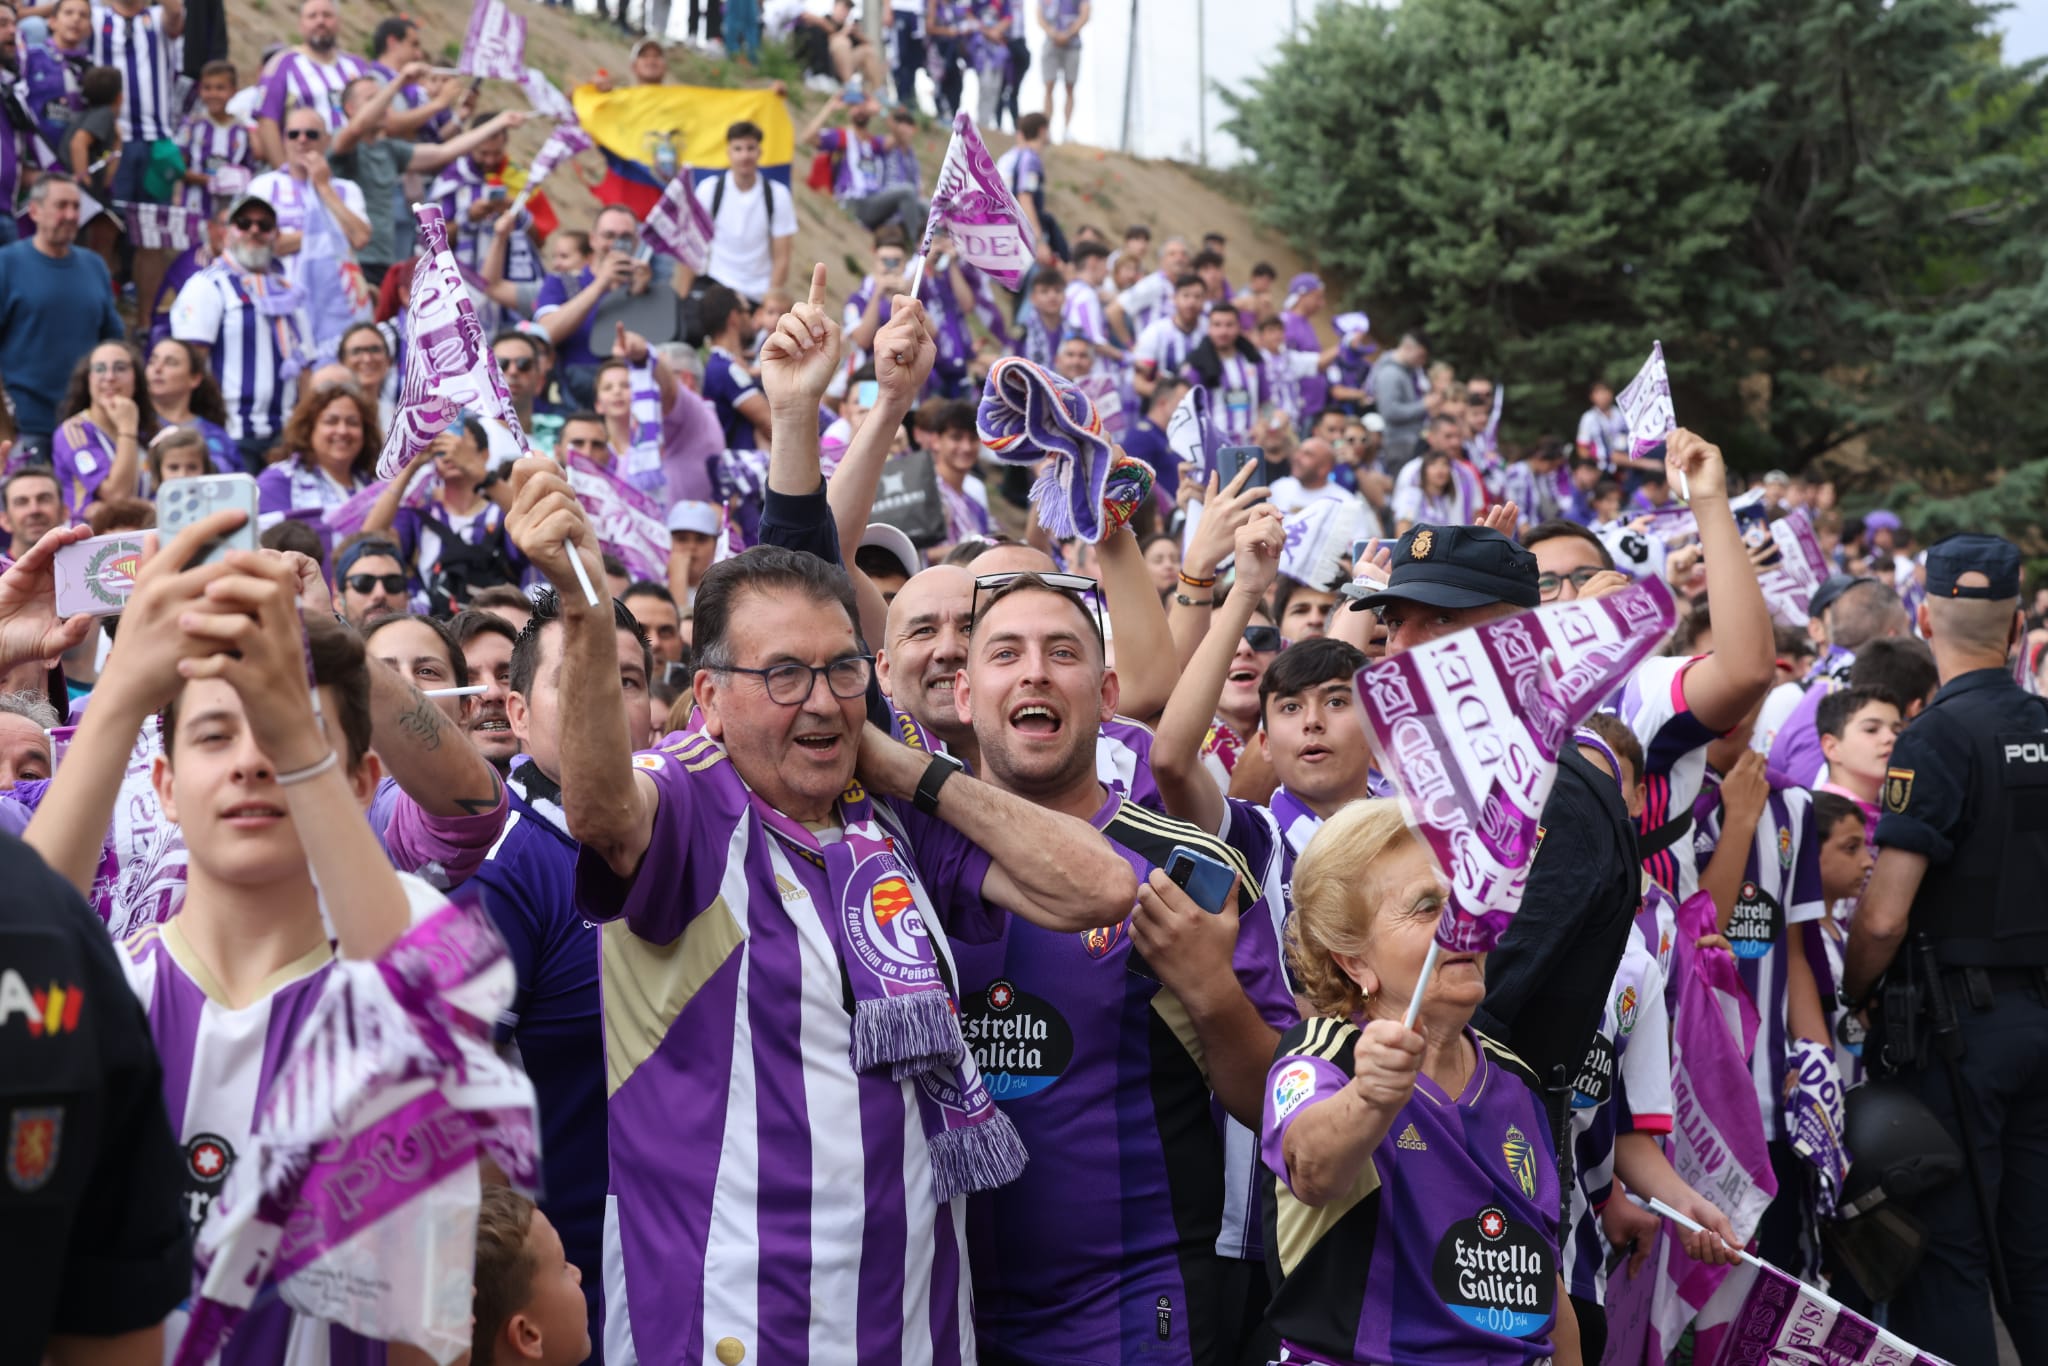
[(641, 462), (905, 1018), (1028, 413)]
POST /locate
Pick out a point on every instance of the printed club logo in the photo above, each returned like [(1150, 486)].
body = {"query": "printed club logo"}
[(1595, 1082), (1756, 923), (887, 929), (1099, 942), (1784, 847), (110, 573), (1625, 1010), (1021, 1044), (34, 1135), (1521, 1158), (1496, 1274), (1492, 1225), (208, 1160)]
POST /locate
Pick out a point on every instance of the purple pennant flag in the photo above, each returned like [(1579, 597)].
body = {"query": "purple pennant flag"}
[(1813, 1114), (395, 1059), (495, 47), (1028, 413), (566, 141), (678, 225), (1788, 586), (448, 367), (977, 210), (629, 524), (547, 101), (1469, 727), (1646, 405), (1764, 1317)]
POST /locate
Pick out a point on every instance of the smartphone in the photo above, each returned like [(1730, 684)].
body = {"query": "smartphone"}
[(494, 192), (642, 254), (1231, 459), (677, 674), (867, 393), (96, 576), (1205, 879), (185, 501)]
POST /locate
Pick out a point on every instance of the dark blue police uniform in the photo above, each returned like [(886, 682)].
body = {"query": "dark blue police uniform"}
[(1967, 789)]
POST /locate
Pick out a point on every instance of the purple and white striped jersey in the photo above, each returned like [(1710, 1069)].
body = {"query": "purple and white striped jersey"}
[(1164, 345), (766, 1200), (1082, 313), (1652, 704), (214, 147), (861, 162), (234, 314), (1235, 398), (300, 82), (1286, 373), (1780, 889), (218, 1059), (1036, 341), (137, 46)]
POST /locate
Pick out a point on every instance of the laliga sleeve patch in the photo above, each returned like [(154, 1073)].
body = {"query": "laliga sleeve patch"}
[(1898, 788), (651, 762), (1756, 923), (1497, 1274), (1292, 1088)]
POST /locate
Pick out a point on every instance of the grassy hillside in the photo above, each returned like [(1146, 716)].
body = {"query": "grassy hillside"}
[(1085, 185)]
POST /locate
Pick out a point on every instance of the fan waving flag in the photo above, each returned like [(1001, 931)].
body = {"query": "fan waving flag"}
[(565, 142), (648, 132), (1646, 405), (495, 47), (678, 225), (629, 523), (1469, 727), (448, 368), (547, 101), (974, 206)]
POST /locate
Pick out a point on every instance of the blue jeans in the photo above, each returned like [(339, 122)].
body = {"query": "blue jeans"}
[(909, 56), (743, 29)]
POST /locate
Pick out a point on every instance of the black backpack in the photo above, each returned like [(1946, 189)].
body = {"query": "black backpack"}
[(463, 569)]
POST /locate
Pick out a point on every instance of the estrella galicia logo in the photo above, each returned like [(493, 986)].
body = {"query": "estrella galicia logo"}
[(1021, 1044), (1756, 923), (208, 1160), (1496, 1274), (1595, 1082)]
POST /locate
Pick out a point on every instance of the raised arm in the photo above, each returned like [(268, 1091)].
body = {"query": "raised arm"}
[(632, 348), (1189, 792), (1722, 688), (432, 761), (352, 225), (1330, 1141), (404, 123), (1223, 512), (428, 157), (904, 354), (609, 804), (797, 364), (1054, 870), (369, 116), (384, 512), (1145, 661)]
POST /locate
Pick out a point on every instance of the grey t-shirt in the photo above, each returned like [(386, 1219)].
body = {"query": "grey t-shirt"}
[(375, 167)]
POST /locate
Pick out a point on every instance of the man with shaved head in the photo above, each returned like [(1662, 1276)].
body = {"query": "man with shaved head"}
[(1962, 855)]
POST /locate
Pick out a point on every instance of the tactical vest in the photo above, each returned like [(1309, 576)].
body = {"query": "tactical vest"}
[(1988, 905)]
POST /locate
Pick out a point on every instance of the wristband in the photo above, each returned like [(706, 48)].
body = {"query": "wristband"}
[(942, 767), (309, 772), (1193, 582), (1186, 601)]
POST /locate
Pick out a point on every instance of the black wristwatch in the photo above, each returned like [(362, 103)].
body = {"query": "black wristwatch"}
[(942, 767)]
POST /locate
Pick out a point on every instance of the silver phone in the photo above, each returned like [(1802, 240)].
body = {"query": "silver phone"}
[(185, 501)]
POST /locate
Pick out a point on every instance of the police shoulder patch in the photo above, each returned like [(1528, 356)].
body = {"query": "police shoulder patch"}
[(1898, 788)]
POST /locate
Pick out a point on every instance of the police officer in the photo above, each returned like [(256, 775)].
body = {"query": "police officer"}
[(93, 1245), (1962, 866)]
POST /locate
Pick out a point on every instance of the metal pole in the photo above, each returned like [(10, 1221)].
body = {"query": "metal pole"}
[(1202, 78), (875, 18), (1130, 78)]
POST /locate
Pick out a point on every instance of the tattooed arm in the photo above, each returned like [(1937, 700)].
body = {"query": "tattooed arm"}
[(451, 802)]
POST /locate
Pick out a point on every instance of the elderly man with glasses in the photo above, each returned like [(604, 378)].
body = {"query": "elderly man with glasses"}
[(244, 315)]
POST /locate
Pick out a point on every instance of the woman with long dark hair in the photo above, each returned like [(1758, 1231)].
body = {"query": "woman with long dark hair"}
[(327, 453), (185, 394), (102, 425)]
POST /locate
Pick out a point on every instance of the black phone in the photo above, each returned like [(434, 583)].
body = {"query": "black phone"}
[(1231, 459)]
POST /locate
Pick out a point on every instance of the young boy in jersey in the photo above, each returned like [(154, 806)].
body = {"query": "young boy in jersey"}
[(529, 1295), (1040, 324), (268, 779), (220, 158), (1846, 859), (1857, 728)]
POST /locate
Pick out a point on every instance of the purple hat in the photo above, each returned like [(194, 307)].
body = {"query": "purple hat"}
[(1300, 285), (1883, 517)]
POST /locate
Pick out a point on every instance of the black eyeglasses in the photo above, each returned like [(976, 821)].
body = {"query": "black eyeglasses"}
[(304, 134), (363, 583), (255, 225), (1549, 585), (789, 684), (1076, 588), (1264, 640), (1477, 400), (515, 364)]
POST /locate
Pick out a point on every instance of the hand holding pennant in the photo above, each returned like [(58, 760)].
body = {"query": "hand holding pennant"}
[(1646, 404), (974, 206), (1470, 726)]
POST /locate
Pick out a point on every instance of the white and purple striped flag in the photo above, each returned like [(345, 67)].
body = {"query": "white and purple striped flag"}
[(1317, 538), (1469, 727), (678, 225), (448, 366), (396, 1059), (164, 227), (566, 141), (1646, 405), (629, 524), (547, 101), (974, 206), (1764, 1317), (495, 47)]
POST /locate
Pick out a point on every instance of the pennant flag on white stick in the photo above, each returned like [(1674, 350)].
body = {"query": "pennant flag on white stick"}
[(547, 101), (495, 47), (629, 523), (976, 209), (448, 365), (1469, 727), (1646, 405), (678, 225), (1317, 538)]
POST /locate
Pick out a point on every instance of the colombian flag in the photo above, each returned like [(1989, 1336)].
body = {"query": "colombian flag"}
[(640, 128)]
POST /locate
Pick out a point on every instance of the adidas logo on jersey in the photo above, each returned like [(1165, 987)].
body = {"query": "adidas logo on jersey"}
[(1411, 1140)]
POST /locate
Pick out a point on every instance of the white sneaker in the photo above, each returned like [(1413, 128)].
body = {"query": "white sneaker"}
[(821, 83)]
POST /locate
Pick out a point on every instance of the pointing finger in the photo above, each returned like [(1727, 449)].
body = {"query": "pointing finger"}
[(818, 285)]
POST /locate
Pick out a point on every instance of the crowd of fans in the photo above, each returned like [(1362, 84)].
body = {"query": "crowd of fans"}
[(831, 856)]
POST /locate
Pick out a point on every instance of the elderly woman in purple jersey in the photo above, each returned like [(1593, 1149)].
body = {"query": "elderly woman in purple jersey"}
[(328, 453), (1414, 1215)]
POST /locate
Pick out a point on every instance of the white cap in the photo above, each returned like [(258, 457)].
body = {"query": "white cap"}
[(885, 537), (701, 518), (1375, 423)]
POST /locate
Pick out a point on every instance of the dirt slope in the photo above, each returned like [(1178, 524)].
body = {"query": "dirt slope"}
[(1086, 185)]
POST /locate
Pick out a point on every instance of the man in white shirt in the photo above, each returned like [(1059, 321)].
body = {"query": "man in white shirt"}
[(1151, 297), (753, 220), (1310, 480), (1163, 347)]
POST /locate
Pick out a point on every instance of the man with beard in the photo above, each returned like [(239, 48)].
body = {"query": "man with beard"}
[(309, 75), (1190, 1001), (528, 885), (56, 304), (486, 642), (369, 579), (249, 322), (30, 504)]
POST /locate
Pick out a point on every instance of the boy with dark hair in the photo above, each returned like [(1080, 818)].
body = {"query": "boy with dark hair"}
[(1858, 727), (1303, 610), (1900, 667), (1041, 323), (728, 383)]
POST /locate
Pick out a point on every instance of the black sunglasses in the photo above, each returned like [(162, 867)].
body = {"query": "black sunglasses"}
[(304, 134), (1477, 400), (256, 224), (1264, 640), (515, 364), (363, 583)]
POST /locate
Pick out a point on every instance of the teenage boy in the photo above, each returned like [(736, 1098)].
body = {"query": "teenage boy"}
[(1858, 727)]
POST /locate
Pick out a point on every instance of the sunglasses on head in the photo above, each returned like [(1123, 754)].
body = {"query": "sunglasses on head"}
[(363, 583), (1264, 640), (515, 364), (990, 589)]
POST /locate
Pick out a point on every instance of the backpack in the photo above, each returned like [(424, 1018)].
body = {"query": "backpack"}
[(462, 569)]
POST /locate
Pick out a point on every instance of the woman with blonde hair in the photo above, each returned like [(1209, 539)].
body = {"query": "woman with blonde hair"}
[(1415, 1214)]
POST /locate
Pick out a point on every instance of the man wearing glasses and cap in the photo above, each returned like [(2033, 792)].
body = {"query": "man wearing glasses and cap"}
[(1953, 928)]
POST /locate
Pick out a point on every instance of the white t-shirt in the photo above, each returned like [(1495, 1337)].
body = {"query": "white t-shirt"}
[(1289, 496), (741, 258)]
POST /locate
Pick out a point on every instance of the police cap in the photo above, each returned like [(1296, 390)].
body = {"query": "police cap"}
[(1456, 566)]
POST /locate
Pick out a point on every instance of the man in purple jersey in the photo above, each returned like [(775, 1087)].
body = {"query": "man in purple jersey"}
[(769, 1201), (309, 75)]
